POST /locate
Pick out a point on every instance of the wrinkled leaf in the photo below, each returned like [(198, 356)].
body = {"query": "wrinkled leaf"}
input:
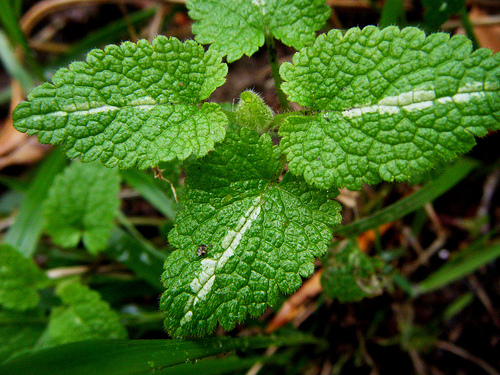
[(350, 275), (130, 105), (238, 27), (387, 104), (242, 238)]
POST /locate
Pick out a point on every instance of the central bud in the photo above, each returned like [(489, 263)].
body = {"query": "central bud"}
[(253, 113)]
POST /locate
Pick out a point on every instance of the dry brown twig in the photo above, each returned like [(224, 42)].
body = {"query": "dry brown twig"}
[(45, 8), (452, 348), (437, 244)]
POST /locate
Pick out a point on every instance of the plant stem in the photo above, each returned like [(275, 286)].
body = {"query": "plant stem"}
[(393, 13), (464, 17), (273, 59), (123, 220)]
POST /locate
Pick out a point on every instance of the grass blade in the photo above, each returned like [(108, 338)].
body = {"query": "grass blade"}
[(10, 23), (217, 366), (27, 229), (393, 13), (113, 357), (430, 191), (463, 264), (146, 185), (140, 257), (12, 65)]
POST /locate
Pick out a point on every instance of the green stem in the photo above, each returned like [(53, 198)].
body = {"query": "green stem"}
[(273, 59), (393, 13), (124, 221), (464, 17)]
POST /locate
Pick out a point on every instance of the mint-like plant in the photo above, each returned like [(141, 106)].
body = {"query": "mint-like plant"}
[(257, 206), (82, 316), (261, 236), (20, 280), (82, 204), (133, 105), (238, 27)]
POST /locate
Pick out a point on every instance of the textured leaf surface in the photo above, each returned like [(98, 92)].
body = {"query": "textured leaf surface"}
[(241, 237), (82, 205), (387, 104), (238, 27), (350, 275), (131, 105), (83, 316), (19, 280)]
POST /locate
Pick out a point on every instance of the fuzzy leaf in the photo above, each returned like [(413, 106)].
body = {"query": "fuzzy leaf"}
[(387, 104), (241, 237), (350, 275), (238, 27), (82, 204), (83, 316), (20, 279), (130, 105)]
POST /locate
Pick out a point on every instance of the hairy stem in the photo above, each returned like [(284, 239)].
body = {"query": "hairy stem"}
[(273, 59)]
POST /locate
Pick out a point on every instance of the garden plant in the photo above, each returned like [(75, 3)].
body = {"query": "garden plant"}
[(248, 191)]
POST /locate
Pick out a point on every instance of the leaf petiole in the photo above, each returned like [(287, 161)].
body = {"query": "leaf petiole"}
[(273, 60)]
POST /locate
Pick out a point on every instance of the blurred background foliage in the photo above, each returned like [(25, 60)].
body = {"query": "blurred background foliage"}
[(410, 283)]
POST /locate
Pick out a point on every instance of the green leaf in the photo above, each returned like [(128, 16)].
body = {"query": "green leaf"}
[(124, 357), (351, 275), (241, 237), (20, 280), (437, 12), (387, 104), (83, 316), (237, 27), (82, 204), (131, 105)]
